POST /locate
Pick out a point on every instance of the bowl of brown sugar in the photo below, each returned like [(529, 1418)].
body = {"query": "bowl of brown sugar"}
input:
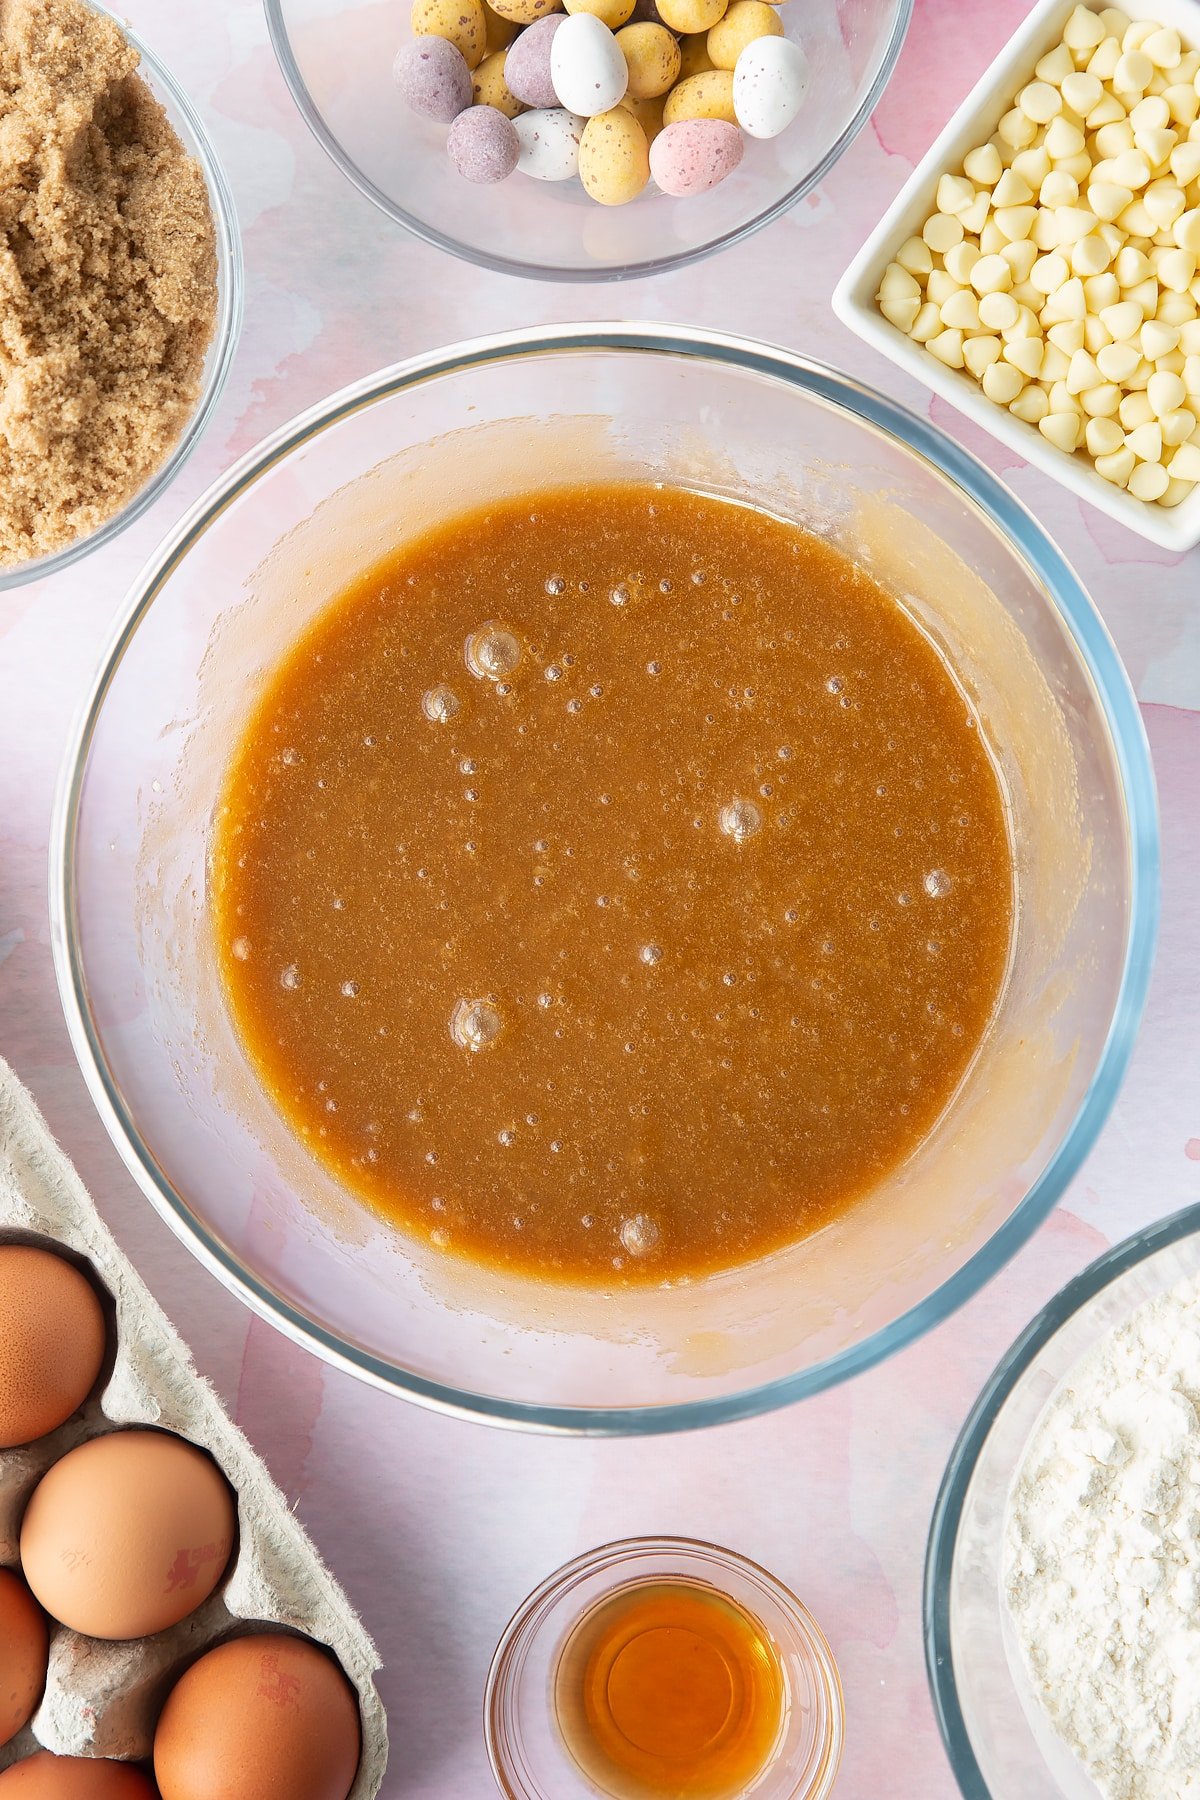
[(120, 282)]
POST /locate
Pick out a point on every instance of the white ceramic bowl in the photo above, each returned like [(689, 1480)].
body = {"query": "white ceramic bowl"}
[(1176, 528)]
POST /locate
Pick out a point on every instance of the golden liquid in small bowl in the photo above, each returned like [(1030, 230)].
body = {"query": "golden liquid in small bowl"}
[(668, 1689)]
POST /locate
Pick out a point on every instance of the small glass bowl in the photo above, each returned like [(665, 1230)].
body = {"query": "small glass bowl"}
[(186, 123), (528, 1756), (998, 1737), (337, 56)]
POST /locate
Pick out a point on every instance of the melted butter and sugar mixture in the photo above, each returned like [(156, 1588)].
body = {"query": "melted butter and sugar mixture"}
[(612, 884)]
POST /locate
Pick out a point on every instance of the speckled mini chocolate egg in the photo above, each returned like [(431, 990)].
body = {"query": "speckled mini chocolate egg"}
[(483, 145), (690, 16), (648, 113), (614, 157), (266, 1717), (527, 64), (460, 22), (746, 21), (693, 55), (433, 77), (694, 155), (612, 13), (652, 58), (46, 1777), (498, 32), (549, 139), (586, 66), (490, 88), (769, 85), (705, 96), (52, 1342), (525, 12), (24, 1647)]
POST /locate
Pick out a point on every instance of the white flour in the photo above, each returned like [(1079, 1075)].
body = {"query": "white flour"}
[(1102, 1554)]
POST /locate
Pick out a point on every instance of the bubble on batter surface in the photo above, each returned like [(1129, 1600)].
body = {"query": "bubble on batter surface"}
[(739, 819), (474, 1024), (650, 954), (639, 1234), (290, 978), (938, 884), (440, 704), (241, 948), (493, 651)]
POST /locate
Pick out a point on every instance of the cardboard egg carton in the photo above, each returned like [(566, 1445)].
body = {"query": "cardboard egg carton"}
[(103, 1699)]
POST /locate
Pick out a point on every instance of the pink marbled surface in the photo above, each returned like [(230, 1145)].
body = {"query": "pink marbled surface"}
[(428, 1522)]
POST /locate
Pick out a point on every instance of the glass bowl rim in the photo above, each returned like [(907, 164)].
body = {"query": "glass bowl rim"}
[(619, 1553), (960, 1470), (280, 37), (231, 285), (1065, 592)]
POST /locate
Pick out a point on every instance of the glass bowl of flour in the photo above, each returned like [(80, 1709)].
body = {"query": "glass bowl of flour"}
[(1062, 1585)]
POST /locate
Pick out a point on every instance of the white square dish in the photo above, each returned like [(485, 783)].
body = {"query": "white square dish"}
[(974, 122)]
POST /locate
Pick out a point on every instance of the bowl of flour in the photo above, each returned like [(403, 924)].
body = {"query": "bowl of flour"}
[(1062, 1594)]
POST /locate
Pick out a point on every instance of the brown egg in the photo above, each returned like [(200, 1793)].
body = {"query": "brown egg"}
[(127, 1534), (24, 1647), (46, 1777), (259, 1718), (52, 1340)]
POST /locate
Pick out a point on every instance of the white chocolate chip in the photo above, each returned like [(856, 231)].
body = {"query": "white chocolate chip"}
[(947, 346), (1148, 481), (1146, 441), (1165, 391), (1118, 467), (1061, 428), (1002, 383), (1102, 437), (954, 194), (983, 166)]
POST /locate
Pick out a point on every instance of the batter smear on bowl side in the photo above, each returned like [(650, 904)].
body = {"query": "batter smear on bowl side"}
[(614, 883)]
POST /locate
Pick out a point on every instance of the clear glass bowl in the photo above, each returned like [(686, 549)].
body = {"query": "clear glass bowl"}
[(997, 1736), (186, 122), (337, 57), (528, 1756), (322, 499)]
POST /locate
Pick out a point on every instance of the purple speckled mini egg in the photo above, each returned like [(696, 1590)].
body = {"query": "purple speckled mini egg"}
[(693, 155), (527, 65), (483, 145), (433, 76)]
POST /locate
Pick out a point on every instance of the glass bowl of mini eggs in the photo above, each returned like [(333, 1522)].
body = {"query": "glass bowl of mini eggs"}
[(654, 131)]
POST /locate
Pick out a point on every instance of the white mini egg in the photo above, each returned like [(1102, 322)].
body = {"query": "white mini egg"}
[(588, 70), (770, 80), (549, 138)]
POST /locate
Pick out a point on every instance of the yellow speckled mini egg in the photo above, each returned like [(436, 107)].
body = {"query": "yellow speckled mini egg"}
[(693, 55), (460, 22), (648, 113), (614, 157), (745, 21), (525, 12), (499, 32), (652, 57), (489, 88), (689, 16), (612, 13), (705, 96)]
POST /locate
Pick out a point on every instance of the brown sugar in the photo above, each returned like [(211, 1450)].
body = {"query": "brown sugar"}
[(107, 276)]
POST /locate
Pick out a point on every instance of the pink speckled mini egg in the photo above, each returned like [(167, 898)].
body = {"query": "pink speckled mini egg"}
[(527, 64), (483, 145), (694, 155), (433, 77)]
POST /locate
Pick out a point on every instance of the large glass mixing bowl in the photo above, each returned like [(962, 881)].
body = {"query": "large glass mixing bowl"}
[(291, 524), (337, 57)]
